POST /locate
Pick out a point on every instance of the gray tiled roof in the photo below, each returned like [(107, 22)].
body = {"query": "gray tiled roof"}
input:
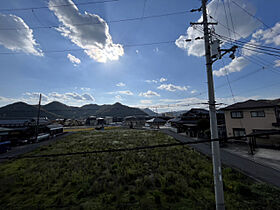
[(253, 104)]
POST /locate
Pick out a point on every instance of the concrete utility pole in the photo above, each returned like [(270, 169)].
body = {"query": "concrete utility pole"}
[(217, 170), (38, 117)]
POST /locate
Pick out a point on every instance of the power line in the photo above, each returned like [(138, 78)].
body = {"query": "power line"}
[(112, 150), (258, 46), (138, 148), (54, 6), (247, 12), (226, 18), (259, 88), (251, 48), (96, 23), (82, 49)]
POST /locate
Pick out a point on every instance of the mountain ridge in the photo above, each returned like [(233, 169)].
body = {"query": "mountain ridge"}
[(56, 109)]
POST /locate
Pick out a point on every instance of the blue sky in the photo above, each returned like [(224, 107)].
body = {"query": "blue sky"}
[(106, 62)]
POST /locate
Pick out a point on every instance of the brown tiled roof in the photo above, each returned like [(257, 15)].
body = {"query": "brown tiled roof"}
[(253, 104)]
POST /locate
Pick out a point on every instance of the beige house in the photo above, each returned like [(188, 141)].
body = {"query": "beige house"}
[(252, 116)]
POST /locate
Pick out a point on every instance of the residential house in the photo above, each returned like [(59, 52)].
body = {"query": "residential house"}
[(133, 121), (253, 116), (156, 122), (195, 123)]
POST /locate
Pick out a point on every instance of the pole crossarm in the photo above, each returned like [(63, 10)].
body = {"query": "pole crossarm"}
[(201, 23)]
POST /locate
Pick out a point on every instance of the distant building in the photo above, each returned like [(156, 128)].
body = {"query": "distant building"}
[(133, 121), (91, 121), (108, 120), (156, 122), (253, 116), (20, 123), (195, 123)]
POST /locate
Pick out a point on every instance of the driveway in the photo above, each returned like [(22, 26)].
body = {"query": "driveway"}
[(257, 171)]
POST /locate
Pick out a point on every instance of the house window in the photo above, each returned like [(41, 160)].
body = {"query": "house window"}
[(257, 114), (239, 131), (237, 114)]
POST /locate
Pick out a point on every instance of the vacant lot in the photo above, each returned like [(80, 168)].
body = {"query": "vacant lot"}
[(169, 178)]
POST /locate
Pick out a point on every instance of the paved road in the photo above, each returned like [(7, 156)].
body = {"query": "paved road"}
[(19, 150), (253, 169)]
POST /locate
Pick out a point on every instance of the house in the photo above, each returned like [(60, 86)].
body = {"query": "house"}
[(20, 123), (195, 123), (91, 121), (156, 122), (133, 121), (108, 120), (253, 116), (55, 129)]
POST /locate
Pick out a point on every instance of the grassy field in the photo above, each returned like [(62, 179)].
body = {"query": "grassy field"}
[(169, 178)]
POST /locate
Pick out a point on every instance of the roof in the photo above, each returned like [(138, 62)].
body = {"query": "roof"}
[(14, 122), (253, 104), (156, 120), (4, 129), (54, 126)]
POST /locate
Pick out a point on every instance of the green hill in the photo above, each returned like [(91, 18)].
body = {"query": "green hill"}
[(56, 110)]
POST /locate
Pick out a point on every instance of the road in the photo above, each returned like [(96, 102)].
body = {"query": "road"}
[(20, 150), (257, 171)]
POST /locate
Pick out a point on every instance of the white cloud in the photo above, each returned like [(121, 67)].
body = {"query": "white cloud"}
[(151, 81), (242, 28), (88, 97), (57, 96), (65, 97), (235, 66), (70, 96), (94, 38), (118, 98), (156, 50), (137, 51), (18, 40), (162, 79), (247, 46), (122, 92), (36, 95), (120, 84), (73, 59), (269, 36), (277, 63), (33, 98), (171, 87), (85, 89), (75, 96), (146, 101), (125, 92), (149, 94), (193, 91)]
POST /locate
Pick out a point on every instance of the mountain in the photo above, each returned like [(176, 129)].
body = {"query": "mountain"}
[(24, 110), (56, 110), (62, 109), (149, 112), (119, 110)]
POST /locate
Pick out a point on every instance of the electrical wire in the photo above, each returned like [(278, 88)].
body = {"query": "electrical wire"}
[(82, 49), (96, 23), (137, 148), (247, 12), (54, 6)]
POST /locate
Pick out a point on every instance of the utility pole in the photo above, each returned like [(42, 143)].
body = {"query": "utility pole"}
[(38, 117), (217, 170)]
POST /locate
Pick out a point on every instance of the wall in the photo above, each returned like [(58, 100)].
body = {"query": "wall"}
[(250, 123)]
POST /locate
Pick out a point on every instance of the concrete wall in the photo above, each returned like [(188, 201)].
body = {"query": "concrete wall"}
[(250, 123)]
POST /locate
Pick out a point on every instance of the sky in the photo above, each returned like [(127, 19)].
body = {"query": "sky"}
[(134, 52)]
